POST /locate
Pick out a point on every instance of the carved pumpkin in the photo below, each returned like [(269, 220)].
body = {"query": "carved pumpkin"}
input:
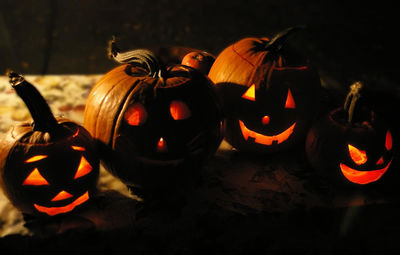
[(153, 122), (268, 95), (50, 166), (347, 149)]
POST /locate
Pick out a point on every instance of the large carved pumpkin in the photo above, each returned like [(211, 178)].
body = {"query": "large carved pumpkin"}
[(269, 95), (154, 124), (50, 166), (350, 144)]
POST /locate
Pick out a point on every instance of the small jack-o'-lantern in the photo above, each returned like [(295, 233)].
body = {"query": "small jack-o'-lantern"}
[(350, 144), (268, 96), (50, 166), (152, 120)]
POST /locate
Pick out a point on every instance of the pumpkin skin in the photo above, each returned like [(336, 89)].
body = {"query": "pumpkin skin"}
[(47, 173), (269, 96), (350, 153), (59, 168), (150, 127)]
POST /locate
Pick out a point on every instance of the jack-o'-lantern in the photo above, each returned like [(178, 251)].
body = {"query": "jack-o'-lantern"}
[(350, 145), (48, 167), (268, 94), (152, 120)]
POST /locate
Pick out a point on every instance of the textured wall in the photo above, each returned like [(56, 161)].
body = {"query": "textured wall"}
[(348, 41)]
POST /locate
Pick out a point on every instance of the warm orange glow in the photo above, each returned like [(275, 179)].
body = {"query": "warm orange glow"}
[(280, 61), (265, 120), (162, 145), (35, 158), (362, 177), (62, 195), (264, 139), (63, 209), (358, 156), (78, 148), (290, 101), (388, 141), (250, 94), (136, 115), (35, 179), (380, 161), (76, 133), (83, 169), (179, 110)]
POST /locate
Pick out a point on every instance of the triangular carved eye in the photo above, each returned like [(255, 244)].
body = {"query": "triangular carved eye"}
[(380, 161), (358, 156), (136, 115), (84, 168), (388, 141), (250, 94), (179, 110), (290, 101), (35, 179), (35, 158), (78, 148)]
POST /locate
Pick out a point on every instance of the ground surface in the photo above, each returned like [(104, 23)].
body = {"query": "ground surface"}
[(272, 208)]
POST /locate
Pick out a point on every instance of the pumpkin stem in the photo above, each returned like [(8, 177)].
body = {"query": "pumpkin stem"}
[(112, 49), (40, 111), (279, 39), (352, 98), (139, 57)]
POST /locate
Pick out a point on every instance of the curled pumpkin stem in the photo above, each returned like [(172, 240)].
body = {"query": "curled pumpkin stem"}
[(112, 49), (278, 41), (15, 78), (352, 98), (40, 111), (139, 57)]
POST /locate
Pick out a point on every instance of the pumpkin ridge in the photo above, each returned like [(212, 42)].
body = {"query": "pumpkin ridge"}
[(99, 124), (91, 125), (121, 109), (258, 72), (245, 59), (269, 75)]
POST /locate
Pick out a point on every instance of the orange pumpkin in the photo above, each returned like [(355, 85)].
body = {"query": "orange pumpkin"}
[(269, 95), (351, 145), (151, 121), (50, 166)]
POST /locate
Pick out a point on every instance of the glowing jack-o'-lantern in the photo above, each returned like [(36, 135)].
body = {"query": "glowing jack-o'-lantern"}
[(153, 121), (267, 140), (49, 167), (357, 149), (269, 96)]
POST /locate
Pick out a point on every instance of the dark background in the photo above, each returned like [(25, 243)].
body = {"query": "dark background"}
[(345, 41), (355, 40)]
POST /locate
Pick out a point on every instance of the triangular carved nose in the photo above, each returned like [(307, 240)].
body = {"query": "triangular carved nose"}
[(61, 196), (162, 145), (380, 161)]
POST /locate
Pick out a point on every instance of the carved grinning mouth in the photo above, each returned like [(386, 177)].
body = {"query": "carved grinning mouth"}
[(63, 209), (363, 177), (265, 139)]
